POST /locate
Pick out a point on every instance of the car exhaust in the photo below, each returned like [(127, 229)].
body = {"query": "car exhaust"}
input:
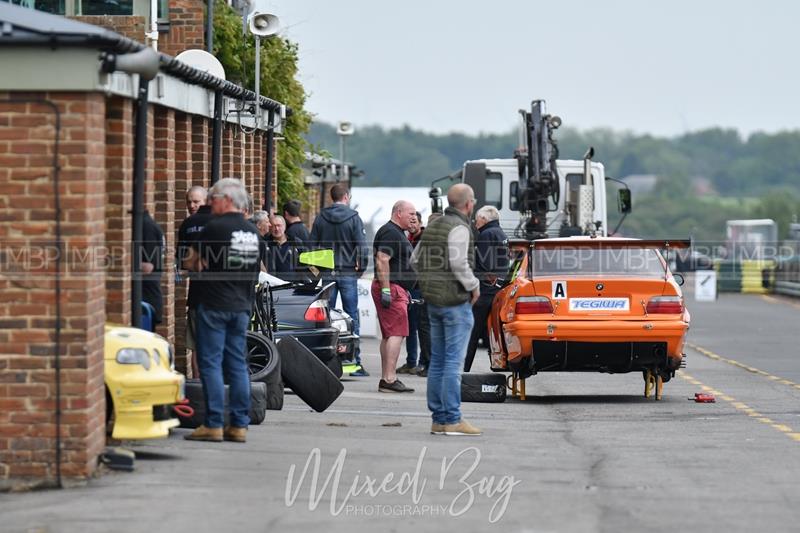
[(660, 354)]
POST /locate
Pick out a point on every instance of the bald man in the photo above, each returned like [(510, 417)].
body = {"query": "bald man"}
[(444, 260), (394, 277)]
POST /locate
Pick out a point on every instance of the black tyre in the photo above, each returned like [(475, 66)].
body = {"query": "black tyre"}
[(487, 388), (262, 357), (258, 402), (307, 376), (194, 393), (335, 366), (264, 363)]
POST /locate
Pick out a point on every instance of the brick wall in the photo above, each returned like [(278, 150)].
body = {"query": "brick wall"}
[(96, 185), (164, 186), (183, 181), (129, 26), (27, 288), (119, 195), (186, 27)]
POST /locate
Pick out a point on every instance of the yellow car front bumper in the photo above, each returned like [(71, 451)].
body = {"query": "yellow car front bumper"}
[(134, 392)]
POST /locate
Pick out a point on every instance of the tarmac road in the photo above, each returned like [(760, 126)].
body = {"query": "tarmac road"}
[(584, 453)]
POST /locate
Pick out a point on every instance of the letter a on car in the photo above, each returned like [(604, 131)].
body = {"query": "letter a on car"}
[(559, 290)]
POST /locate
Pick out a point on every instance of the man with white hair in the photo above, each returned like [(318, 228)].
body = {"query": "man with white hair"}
[(262, 223), (227, 254), (491, 264)]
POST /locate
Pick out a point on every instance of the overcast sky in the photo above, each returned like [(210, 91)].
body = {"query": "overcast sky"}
[(466, 65)]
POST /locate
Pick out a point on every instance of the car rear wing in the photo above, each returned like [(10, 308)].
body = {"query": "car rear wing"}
[(521, 246)]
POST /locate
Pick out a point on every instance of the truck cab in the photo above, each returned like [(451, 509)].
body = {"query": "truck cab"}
[(496, 183)]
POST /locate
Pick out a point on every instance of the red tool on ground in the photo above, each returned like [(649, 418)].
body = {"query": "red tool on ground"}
[(703, 397)]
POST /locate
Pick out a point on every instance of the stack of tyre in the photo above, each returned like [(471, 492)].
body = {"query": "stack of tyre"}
[(273, 367), (291, 364)]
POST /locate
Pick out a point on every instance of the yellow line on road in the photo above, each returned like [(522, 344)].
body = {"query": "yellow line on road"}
[(773, 300), (744, 408), (717, 357)]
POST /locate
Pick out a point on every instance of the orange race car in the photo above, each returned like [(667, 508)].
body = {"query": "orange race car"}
[(589, 304)]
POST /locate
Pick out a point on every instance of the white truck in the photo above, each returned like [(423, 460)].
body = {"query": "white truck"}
[(537, 194)]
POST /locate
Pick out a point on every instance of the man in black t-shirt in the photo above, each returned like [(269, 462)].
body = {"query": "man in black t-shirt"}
[(295, 229), (189, 232), (152, 262), (394, 277), (227, 256)]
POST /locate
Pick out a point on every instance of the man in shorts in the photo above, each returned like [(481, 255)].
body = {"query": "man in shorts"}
[(394, 277)]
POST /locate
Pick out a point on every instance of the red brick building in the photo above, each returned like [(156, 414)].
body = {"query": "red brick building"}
[(66, 174)]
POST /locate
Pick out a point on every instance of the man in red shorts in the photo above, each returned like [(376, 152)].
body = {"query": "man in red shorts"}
[(394, 277)]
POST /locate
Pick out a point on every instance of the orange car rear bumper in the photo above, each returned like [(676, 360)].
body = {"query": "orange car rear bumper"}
[(520, 334)]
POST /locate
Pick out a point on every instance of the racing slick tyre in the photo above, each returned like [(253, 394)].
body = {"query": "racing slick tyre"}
[(335, 366), (307, 376), (264, 364), (194, 393), (485, 388)]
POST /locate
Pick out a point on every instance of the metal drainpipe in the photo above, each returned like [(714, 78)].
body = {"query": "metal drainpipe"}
[(270, 160), (216, 137), (140, 154), (210, 26)]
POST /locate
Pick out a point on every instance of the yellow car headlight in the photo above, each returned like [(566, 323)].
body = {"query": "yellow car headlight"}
[(134, 356)]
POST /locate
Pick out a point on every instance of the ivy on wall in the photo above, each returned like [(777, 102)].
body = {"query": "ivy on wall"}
[(279, 82)]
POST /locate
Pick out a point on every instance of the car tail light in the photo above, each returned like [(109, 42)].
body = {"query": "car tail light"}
[(531, 305), (665, 305), (317, 311)]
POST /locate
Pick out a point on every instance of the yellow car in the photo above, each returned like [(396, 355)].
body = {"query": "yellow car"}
[(141, 383)]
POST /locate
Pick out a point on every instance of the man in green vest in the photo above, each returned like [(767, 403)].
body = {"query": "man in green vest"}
[(444, 260)]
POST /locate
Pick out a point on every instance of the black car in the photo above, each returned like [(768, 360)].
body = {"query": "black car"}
[(300, 311)]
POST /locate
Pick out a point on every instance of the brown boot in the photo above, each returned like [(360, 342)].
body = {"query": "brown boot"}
[(235, 434), (205, 434)]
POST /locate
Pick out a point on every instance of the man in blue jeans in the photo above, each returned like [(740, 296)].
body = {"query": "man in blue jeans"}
[(339, 227), (444, 260), (227, 254)]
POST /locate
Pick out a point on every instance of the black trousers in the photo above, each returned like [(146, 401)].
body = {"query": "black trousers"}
[(419, 328), (480, 312)]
